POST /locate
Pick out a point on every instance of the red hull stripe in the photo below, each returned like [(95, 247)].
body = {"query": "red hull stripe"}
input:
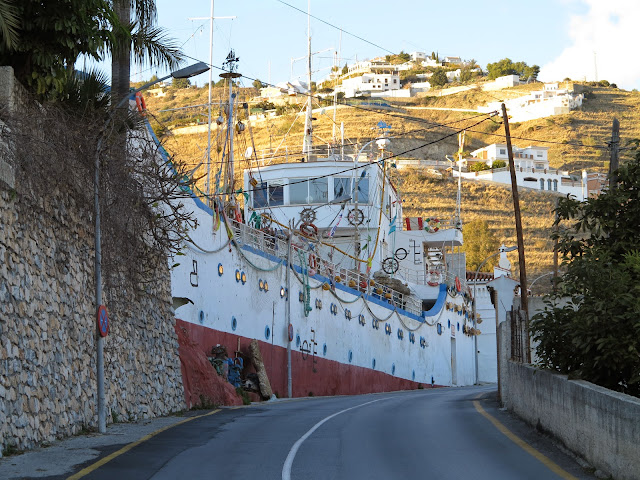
[(311, 375)]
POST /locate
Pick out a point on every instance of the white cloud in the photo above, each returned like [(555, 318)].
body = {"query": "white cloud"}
[(611, 29)]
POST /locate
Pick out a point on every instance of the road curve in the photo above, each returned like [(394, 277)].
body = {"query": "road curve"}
[(431, 433)]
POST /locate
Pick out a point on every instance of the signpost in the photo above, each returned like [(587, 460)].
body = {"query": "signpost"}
[(102, 320)]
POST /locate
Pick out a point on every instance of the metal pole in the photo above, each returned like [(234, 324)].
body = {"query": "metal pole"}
[(516, 211), (613, 164), (209, 113), (288, 312), (102, 416)]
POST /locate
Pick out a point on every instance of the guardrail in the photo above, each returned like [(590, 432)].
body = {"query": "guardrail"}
[(275, 243)]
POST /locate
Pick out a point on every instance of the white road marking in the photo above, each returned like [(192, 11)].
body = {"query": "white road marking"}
[(286, 468)]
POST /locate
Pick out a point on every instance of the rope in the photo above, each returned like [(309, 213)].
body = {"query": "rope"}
[(205, 250), (306, 290)]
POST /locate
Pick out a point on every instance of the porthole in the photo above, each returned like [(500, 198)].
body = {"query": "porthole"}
[(300, 297), (350, 356), (400, 334), (298, 341), (260, 284), (234, 323), (413, 375), (266, 286), (201, 317), (458, 326), (282, 292), (324, 349), (238, 276), (373, 364), (448, 323), (267, 332), (393, 369), (243, 278), (220, 269)]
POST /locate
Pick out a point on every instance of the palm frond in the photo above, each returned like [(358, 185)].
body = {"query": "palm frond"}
[(151, 46), (86, 92), (144, 11), (9, 25)]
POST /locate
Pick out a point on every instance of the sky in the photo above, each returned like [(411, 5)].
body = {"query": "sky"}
[(579, 39)]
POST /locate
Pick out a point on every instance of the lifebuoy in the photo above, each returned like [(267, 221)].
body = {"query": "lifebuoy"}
[(458, 285), (313, 262), (140, 103), (309, 230), (434, 278), (290, 332)]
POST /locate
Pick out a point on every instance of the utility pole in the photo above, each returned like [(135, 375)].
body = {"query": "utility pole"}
[(516, 212), (615, 148)]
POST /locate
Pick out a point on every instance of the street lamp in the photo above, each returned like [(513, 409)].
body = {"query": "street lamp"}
[(475, 281), (186, 72)]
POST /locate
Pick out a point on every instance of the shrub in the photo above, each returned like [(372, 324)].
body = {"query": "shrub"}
[(478, 167), (499, 164)]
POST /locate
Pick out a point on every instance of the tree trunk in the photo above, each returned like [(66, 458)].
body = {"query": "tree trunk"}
[(121, 54)]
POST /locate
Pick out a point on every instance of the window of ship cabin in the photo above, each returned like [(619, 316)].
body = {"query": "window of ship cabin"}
[(268, 194), (342, 187), (303, 191)]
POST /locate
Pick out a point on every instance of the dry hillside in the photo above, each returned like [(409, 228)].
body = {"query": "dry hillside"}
[(575, 141)]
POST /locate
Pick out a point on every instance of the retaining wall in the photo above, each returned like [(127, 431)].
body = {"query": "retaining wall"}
[(599, 425), (48, 331)]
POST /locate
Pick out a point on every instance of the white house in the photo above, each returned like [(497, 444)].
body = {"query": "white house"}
[(369, 83), (532, 171), (418, 56), (487, 363), (551, 100)]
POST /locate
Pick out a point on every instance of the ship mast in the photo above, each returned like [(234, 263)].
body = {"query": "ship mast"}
[(230, 74), (307, 142)]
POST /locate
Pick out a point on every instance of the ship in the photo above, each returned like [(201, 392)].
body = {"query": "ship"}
[(312, 257)]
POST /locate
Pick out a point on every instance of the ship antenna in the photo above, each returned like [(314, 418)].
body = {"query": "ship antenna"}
[(307, 143)]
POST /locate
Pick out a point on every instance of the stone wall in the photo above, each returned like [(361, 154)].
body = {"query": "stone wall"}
[(47, 327), (599, 425)]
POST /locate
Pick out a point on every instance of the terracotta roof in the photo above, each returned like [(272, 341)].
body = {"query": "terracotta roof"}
[(482, 276)]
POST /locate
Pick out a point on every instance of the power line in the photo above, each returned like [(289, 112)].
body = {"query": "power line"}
[(336, 27)]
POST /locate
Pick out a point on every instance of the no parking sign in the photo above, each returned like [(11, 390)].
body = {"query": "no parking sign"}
[(102, 320)]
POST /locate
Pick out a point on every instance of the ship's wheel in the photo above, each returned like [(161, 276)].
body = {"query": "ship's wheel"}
[(390, 265), (266, 220), (355, 216), (307, 215)]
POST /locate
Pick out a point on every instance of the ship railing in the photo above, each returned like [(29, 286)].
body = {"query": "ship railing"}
[(275, 243)]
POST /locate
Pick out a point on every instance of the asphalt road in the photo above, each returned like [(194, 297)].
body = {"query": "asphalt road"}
[(431, 433)]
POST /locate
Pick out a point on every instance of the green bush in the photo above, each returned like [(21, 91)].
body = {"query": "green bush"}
[(596, 336), (478, 167), (498, 164)]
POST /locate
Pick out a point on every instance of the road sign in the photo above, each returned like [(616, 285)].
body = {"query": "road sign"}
[(103, 321)]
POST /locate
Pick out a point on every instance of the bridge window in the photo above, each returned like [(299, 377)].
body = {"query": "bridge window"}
[(303, 191), (270, 193)]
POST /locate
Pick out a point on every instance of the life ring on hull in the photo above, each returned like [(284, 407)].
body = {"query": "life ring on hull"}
[(434, 278), (458, 285), (140, 103), (313, 264), (309, 230)]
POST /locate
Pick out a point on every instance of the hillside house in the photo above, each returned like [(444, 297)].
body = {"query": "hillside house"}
[(549, 101), (532, 171)]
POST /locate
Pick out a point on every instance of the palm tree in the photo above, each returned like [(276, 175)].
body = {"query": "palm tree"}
[(139, 35), (9, 24)]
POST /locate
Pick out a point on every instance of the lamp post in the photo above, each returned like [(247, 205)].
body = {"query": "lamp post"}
[(475, 281), (186, 72)]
